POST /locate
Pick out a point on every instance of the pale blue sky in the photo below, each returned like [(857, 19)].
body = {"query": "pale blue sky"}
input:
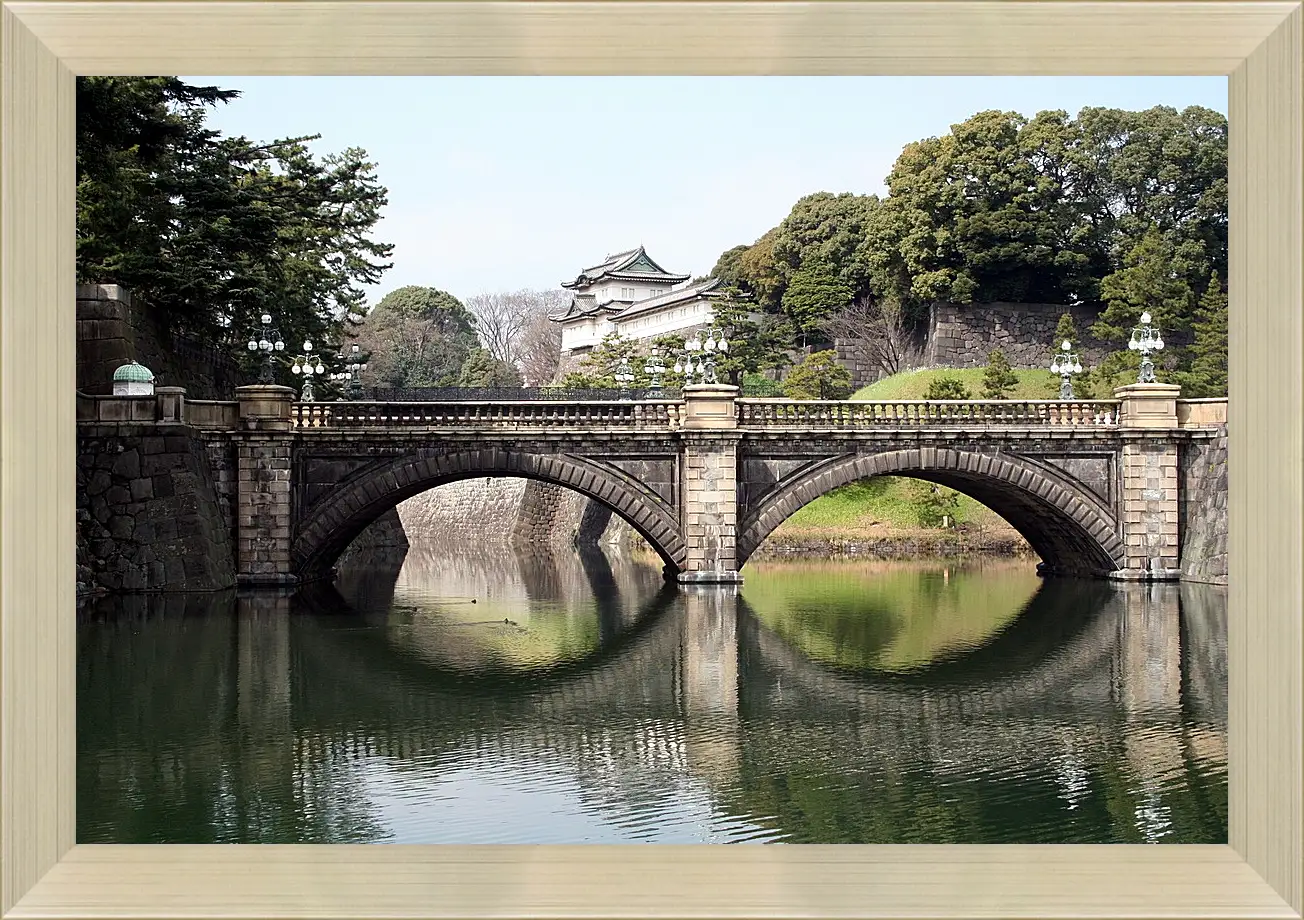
[(501, 183)]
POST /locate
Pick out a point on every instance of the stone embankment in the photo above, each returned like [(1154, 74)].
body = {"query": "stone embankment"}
[(506, 512), (384, 543), (1202, 509), (149, 513)]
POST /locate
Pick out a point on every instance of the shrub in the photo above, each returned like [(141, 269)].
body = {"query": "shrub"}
[(947, 388), (760, 386)]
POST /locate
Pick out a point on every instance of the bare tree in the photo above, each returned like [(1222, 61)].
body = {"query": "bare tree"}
[(540, 350), (503, 318), (877, 331)]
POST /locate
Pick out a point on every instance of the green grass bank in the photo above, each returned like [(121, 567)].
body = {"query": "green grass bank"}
[(893, 517)]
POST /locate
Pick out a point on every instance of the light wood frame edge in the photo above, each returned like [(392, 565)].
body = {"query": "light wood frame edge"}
[(44, 44)]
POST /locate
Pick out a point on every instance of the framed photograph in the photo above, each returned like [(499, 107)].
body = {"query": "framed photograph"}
[(1257, 46)]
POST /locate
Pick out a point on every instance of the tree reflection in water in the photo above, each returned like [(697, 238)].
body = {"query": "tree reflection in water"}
[(854, 704)]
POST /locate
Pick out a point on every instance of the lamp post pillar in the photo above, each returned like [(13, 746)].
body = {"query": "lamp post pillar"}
[(1147, 419), (263, 444), (709, 504)]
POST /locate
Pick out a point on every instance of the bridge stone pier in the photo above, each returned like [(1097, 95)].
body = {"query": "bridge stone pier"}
[(1095, 486)]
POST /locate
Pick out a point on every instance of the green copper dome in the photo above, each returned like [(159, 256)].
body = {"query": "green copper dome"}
[(133, 373)]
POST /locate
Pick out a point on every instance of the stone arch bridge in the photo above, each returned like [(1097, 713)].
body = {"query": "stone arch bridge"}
[(1096, 487)]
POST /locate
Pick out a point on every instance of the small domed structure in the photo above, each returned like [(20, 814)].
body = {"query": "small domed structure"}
[(133, 380)]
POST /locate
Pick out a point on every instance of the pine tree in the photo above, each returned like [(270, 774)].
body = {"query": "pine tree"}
[(212, 231), (934, 505), (999, 378), (813, 295), (1152, 281), (819, 376), (597, 370)]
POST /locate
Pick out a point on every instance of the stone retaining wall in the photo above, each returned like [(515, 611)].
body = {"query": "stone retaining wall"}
[(481, 510), (508, 511), (112, 330), (554, 516), (1202, 509), (148, 513), (964, 335)]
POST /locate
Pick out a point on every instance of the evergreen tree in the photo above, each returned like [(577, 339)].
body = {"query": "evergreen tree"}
[(755, 341), (1207, 376), (481, 369), (418, 337), (999, 378), (1151, 281), (935, 506), (1066, 330), (813, 295)]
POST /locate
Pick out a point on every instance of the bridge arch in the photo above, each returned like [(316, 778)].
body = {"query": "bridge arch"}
[(335, 522), (1073, 531)]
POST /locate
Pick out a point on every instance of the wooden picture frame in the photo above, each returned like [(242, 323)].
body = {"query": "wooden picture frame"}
[(45, 44)]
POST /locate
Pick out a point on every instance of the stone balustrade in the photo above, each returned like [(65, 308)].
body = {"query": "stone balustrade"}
[(169, 405), (661, 415), (912, 413)]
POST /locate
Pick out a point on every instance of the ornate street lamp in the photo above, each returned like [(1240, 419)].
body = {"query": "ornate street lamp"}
[(624, 377), (1145, 339), (684, 363), (353, 374), (267, 340), (1066, 364), (307, 364), (654, 368), (715, 344), (704, 352)]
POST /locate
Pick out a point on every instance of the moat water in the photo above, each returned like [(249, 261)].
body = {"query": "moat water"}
[(486, 697)]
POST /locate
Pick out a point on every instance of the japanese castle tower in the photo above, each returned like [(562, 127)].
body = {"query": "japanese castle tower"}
[(630, 294)]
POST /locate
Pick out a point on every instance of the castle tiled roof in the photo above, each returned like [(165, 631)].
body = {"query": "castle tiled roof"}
[(583, 305), (631, 265), (670, 298)]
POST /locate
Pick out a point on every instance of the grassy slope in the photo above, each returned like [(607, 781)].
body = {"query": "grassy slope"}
[(1033, 384), (884, 502)]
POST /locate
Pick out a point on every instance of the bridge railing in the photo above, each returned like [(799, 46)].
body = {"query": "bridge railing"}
[(223, 415), (910, 413), (643, 415), (1201, 413)]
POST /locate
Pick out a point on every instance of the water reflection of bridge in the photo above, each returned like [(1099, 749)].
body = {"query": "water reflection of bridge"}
[(687, 685)]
